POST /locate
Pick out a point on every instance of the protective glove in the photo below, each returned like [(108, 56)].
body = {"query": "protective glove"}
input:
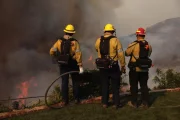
[(123, 69), (81, 70)]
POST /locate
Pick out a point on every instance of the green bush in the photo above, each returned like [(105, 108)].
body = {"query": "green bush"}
[(4, 108), (55, 95), (167, 79), (90, 86)]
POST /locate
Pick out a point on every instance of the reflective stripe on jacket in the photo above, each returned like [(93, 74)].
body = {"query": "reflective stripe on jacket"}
[(75, 51), (134, 48), (116, 49)]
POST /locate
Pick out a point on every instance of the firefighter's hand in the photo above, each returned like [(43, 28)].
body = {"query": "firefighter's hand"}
[(123, 69), (81, 70)]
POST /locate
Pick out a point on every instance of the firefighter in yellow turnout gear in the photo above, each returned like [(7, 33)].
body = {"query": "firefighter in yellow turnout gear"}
[(68, 54), (139, 64), (110, 51)]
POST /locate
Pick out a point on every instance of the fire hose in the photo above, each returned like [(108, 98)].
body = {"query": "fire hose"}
[(46, 101)]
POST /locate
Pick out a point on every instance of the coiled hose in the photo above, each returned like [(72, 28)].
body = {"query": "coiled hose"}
[(46, 102)]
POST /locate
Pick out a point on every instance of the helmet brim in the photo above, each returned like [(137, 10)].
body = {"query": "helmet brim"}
[(140, 34), (108, 30), (67, 31)]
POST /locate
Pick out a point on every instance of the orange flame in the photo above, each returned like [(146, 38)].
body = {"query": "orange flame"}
[(125, 88), (152, 65), (24, 88), (90, 58)]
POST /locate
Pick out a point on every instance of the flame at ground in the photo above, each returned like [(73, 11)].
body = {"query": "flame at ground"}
[(24, 88), (125, 88), (90, 58)]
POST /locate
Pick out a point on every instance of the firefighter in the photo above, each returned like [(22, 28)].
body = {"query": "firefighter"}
[(139, 64), (110, 50), (67, 52)]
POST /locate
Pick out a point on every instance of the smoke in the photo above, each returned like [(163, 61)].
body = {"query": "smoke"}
[(164, 38), (29, 28)]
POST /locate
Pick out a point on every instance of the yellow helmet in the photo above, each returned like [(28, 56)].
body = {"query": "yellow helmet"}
[(69, 29), (109, 27)]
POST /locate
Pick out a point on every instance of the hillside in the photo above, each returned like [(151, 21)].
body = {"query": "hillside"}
[(165, 106)]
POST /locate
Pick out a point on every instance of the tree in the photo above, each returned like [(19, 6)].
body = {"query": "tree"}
[(167, 79)]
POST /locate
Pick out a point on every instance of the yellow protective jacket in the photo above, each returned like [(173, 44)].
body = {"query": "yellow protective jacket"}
[(116, 49), (75, 51), (134, 48)]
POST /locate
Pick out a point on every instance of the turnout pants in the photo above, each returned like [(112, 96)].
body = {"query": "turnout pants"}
[(142, 78), (114, 75), (65, 81)]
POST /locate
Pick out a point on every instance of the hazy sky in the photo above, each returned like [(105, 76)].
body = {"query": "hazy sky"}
[(136, 13)]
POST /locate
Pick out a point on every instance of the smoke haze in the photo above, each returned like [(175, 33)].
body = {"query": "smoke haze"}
[(29, 28)]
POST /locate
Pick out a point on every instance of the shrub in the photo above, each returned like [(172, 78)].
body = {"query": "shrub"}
[(4, 108), (55, 95), (90, 86), (167, 79)]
